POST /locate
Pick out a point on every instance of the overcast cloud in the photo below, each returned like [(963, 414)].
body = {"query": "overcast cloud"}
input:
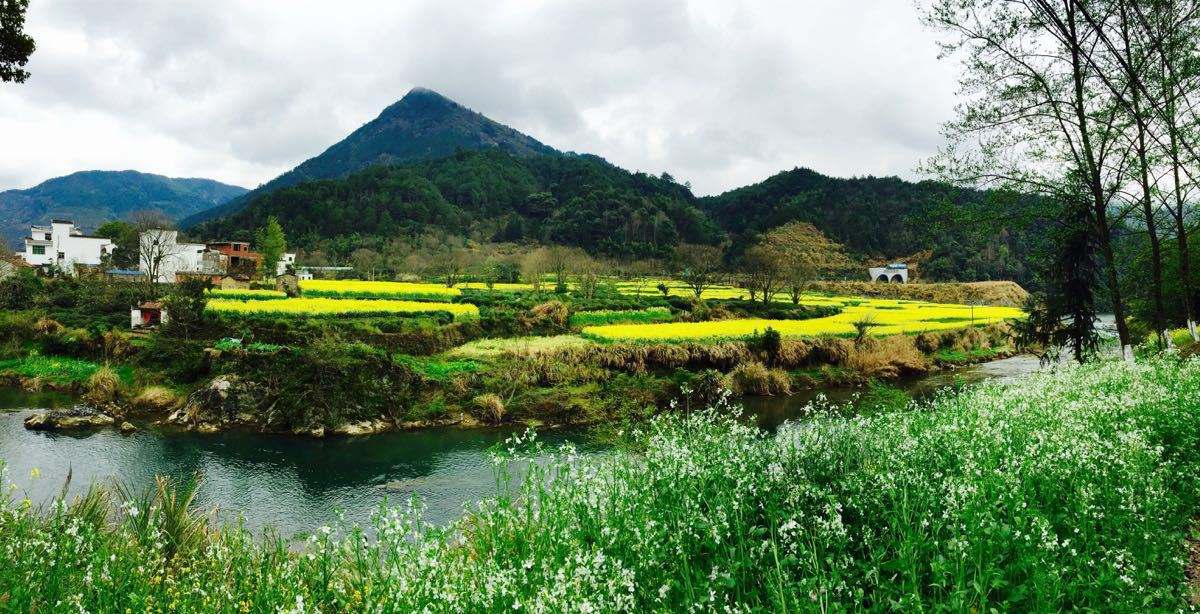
[(719, 93)]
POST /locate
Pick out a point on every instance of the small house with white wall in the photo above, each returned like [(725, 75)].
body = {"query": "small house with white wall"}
[(63, 245), (162, 256), (895, 273), (286, 261)]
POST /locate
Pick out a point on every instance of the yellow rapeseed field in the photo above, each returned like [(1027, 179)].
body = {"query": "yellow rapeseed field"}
[(334, 306), (890, 317), (355, 288)]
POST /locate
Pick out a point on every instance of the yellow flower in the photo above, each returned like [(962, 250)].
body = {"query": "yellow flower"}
[(35, 473)]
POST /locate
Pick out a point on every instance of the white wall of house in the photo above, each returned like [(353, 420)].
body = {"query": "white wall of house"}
[(172, 256), (64, 245), (285, 261)]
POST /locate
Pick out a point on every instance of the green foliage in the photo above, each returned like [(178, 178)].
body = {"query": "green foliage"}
[(15, 44), (60, 370), (1070, 491), (271, 244), (185, 307), (886, 217), (437, 369), (573, 200), (624, 316)]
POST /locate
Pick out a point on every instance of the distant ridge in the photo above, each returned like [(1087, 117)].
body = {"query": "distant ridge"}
[(90, 198), (423, 125)]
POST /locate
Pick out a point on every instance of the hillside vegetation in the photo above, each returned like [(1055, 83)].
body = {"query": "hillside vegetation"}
[(887, 217), (573, 200)]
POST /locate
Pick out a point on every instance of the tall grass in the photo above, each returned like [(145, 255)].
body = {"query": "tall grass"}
[(1071, 490)]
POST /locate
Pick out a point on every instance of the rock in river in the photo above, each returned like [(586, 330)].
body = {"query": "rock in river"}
[(74, 417), (225, 401)]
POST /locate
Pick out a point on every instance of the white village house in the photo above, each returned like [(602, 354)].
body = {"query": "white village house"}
[(64, 245), (161, 256)]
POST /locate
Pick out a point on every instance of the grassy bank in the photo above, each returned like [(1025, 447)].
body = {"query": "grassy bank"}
[(1071, 490)]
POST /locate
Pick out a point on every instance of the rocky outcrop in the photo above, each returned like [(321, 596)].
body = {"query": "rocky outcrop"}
[(365, 427), (227, 400), (78, 416)]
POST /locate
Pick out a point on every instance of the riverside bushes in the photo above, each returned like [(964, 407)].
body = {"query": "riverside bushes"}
[(1073, 490)]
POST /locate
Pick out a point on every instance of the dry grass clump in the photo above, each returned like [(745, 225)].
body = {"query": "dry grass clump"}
[(638, 358), (554, 313), (887, 358), (103, 387), (116, 344), (155, 399), (756, 379), (46, 326), (488, 408), (999, 293)]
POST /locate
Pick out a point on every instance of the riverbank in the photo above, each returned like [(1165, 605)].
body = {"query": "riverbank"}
[(1072, 489), (528, 357), (296, 484), (569, 386)]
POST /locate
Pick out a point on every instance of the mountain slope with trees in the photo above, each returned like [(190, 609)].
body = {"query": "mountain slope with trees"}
[(90, 198), (489, 195), (422, 125), (884, 218)]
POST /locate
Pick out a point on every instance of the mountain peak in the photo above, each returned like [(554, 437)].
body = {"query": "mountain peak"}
[(423, 125)]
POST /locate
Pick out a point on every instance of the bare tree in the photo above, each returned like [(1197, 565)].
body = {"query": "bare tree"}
[(158, 245), (805, 254), (367, 261), (699, 266)]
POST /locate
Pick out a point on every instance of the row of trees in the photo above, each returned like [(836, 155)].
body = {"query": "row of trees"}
[(1089, 104), (785, 260)]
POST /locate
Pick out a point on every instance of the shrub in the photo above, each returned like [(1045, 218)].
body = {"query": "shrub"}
[(754, 378), (102, 387), (887, 358), (488, 408)]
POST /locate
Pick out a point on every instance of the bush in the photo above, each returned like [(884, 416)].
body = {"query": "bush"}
[(754, 378), (103, 387), (489, 408)]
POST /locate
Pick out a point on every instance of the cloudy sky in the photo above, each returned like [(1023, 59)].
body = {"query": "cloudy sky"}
[(718, 93)]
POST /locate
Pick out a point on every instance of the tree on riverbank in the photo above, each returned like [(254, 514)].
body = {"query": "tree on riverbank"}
[(1079, 102)]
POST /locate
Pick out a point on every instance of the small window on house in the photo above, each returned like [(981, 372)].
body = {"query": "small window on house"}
[(46, 236), (39, 250)]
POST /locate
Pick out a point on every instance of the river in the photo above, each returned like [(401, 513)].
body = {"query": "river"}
[(296, 484)]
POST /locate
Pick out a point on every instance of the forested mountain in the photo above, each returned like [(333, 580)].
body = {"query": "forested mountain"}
[(492, 195), (423, 125), (90, 198), (972, 235), (429, 164)]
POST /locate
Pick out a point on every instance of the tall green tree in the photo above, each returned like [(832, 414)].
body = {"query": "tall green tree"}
[(125, 236), (271, 244), (15, 45), (1038, 113)]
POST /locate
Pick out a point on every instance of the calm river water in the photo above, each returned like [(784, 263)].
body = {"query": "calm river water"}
[(296, 484)]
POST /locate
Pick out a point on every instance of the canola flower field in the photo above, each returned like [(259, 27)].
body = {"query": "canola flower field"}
[(336, 307), (247, 294), (1071, 490), (356, 297), (890, 317)]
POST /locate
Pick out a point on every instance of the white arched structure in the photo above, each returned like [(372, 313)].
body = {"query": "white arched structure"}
[(895, 273)]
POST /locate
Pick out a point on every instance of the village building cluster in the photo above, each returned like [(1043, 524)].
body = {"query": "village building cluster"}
[(162, 257)]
